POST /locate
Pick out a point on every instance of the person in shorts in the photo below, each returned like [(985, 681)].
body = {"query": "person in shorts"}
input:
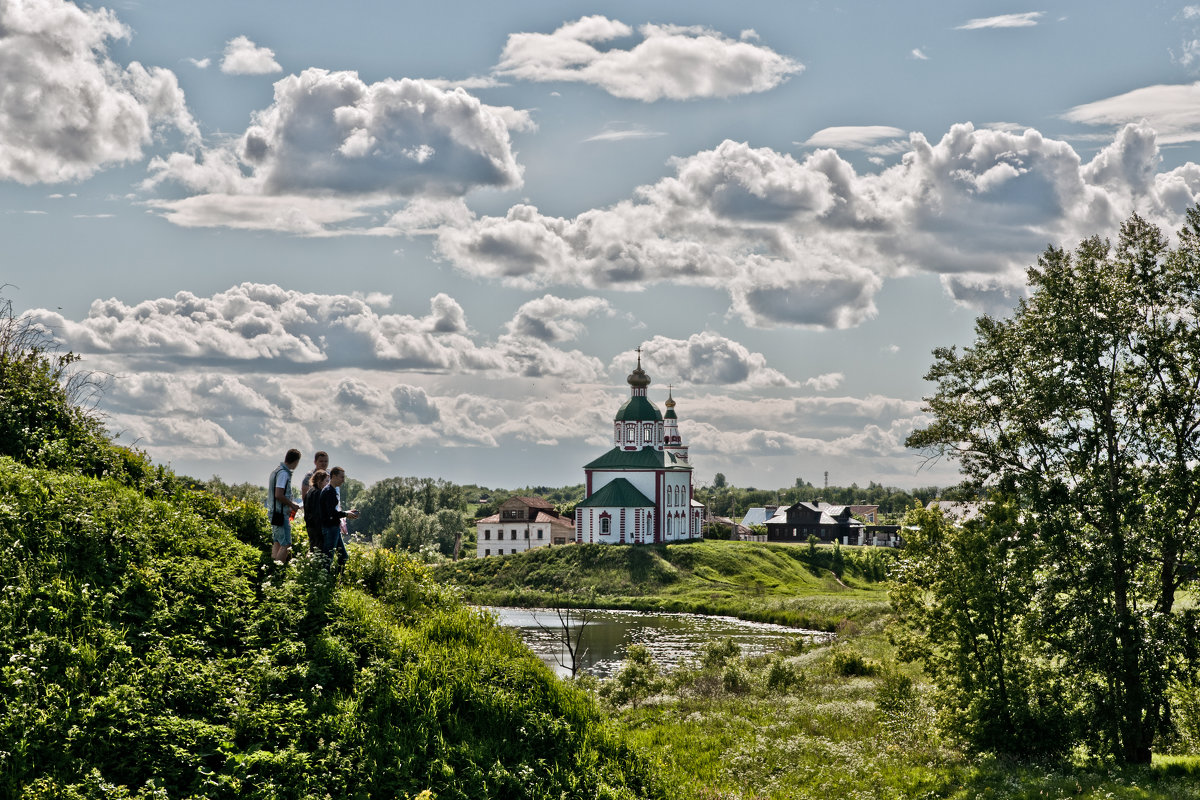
[(283, 507)]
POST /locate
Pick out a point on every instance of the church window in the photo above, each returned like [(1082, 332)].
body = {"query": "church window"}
[(605, 524), (539, 533)]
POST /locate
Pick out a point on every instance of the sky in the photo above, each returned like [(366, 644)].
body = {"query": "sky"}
[(428, 237)]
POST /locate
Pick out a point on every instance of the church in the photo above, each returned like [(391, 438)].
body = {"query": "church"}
[(640, 491)]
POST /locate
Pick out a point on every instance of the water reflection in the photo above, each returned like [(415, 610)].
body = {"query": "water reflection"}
[(672, 639)]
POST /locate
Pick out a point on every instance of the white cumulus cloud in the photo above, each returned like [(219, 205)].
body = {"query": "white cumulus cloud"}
[(332, 146), (670, 62), (67, 110), (707, 359), (244, 57), (808, 242)]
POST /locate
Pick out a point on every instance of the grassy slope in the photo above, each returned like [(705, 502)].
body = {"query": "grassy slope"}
[(751, 580), (145, 648), (732, 732)]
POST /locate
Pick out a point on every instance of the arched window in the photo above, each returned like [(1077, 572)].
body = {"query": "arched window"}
[(605, 523)]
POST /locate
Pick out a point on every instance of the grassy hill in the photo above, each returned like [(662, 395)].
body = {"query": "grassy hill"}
[(149, 650), (787, 584)]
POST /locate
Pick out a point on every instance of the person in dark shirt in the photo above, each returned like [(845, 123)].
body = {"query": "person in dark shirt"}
[(312, 511), (331, 518)]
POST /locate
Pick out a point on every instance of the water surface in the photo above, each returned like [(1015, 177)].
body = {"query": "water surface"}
[(673, 639)]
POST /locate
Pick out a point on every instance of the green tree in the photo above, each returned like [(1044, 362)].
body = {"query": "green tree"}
[(960, 593), (719, 480), (1083, 407)]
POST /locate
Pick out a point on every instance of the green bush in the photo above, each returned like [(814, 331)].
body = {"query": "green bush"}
[(716, 654), (783, 675), (849, 663)]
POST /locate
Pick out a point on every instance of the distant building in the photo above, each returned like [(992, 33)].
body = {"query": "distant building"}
[(522, 524), (758, 515), (640, 491), (870, 514), (829, 523)]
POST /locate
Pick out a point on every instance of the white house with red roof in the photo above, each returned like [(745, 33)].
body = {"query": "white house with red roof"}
[(522, 524)]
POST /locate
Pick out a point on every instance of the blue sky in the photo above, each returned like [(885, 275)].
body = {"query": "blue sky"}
[(428, 237)]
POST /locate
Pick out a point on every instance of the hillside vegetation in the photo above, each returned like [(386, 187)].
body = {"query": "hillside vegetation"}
[(786, 584)]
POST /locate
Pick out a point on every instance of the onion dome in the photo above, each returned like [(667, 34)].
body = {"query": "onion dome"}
[(638, 379)]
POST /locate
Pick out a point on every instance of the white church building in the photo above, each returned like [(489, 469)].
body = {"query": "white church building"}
[(640, 492)]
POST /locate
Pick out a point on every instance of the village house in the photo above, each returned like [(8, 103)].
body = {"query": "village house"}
[(828, 523), (522, 524)]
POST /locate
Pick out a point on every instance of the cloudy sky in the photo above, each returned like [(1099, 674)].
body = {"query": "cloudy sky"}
[(428, 237)]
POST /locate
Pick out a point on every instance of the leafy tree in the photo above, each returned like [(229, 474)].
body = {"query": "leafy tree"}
[(960, 593), (719, 480), (1083, 408)]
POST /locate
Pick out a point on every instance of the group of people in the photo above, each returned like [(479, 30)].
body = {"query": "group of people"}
[(324, 518)]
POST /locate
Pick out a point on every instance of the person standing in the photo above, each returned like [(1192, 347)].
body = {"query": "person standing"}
[(320, 462), (332, 516), (312, 510), (283, 507)]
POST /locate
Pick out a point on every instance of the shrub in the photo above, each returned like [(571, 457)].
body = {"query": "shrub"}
[(716, 654), (849, 663), (635, 681), (782, 675), (734, 677)]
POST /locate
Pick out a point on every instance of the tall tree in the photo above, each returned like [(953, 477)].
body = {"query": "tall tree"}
[(1084, 408)]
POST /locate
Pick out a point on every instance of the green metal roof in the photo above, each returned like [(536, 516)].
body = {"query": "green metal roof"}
[(619, 493), (646, 458), (638, 409)]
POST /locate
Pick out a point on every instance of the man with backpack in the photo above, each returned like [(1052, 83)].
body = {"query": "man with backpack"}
[(283, 507)]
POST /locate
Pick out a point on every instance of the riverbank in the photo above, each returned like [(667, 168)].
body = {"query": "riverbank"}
[(755, 581)]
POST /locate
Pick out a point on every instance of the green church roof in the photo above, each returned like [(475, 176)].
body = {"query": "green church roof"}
[(638, 409), (646, 458), (619, 493)]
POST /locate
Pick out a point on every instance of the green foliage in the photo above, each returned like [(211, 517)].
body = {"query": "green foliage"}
[(637, 679), (846, 662), (149, 649), (1082, 409), (716, 654), (961, 595), (377, 503), (783, 675), (837, 564)]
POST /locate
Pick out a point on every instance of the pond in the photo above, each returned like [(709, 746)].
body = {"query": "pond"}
[(673, 639)]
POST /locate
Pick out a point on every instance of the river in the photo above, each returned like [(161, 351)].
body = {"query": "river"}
[(673, 639)]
